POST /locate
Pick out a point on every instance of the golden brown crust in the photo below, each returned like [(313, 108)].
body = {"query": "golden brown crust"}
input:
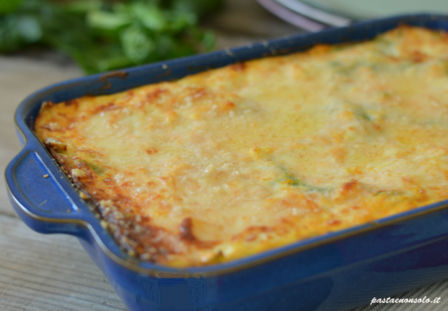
[(238, 160)]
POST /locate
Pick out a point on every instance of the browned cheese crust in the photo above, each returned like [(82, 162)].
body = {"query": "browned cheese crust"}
[(234, 161)]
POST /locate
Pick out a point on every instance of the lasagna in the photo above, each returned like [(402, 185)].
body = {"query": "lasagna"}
[(237, 160)]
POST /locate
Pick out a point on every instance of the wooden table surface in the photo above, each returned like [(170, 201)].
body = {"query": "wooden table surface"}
[(52, 272)]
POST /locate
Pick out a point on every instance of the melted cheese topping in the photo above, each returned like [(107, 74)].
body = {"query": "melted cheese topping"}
[(234, 161)]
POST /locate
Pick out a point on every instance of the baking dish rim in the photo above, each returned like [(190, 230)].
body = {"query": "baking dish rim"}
[(87, 219)]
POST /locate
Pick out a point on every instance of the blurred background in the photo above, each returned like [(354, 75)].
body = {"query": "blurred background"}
[(103, 35)]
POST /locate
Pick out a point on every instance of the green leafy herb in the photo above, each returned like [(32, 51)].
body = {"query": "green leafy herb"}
[(8, 6), (102, 35), (345, 68), (136, 45), (362, 113), (95, 168), (292, 180), (388, 192)]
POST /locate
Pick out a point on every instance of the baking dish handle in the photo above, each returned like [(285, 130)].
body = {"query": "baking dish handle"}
[(38, 195)]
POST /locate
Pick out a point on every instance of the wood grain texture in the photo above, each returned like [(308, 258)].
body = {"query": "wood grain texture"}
[(49, 272), (52, 272), (20, 75)]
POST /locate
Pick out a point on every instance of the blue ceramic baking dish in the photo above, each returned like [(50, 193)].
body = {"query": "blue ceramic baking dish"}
[(339, 270)]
